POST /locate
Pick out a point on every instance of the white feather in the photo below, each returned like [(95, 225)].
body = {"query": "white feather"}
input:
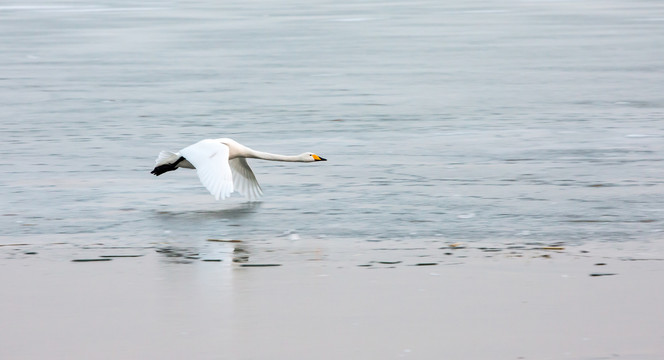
[(211, 161), (166, 157), (244, 179)]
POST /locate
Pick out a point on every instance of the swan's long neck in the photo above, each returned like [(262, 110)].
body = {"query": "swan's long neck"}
[(273, 157)]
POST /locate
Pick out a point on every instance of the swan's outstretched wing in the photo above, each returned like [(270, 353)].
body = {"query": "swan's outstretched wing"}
[(210, 158), (244, 179)]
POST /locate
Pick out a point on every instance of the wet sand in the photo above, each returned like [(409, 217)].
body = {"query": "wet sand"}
[(462, 302)]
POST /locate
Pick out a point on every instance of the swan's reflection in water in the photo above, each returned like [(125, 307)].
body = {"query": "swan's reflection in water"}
[(229, 212), (240, 254), (180, 248), (231, 252)]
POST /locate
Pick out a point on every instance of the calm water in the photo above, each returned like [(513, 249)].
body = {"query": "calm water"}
[(526, 121)]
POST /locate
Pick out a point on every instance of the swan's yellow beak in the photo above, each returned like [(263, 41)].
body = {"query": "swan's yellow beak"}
[(318, 158)]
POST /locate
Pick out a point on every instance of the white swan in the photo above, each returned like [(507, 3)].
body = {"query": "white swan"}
[(222, 166)]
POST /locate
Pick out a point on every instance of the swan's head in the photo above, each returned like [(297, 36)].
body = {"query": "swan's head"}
[(310, 157)]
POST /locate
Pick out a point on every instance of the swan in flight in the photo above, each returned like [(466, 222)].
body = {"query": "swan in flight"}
[(222, 166)]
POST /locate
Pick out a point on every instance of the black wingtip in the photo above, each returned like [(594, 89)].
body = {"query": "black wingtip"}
[(166, 167), (162, 169)]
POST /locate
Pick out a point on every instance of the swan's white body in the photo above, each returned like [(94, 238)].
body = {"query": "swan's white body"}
[(222, 166)]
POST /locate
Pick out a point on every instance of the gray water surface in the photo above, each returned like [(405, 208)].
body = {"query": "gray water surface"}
[(526, 121)]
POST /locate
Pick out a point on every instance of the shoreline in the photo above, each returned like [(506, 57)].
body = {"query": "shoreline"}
[(583, 302)]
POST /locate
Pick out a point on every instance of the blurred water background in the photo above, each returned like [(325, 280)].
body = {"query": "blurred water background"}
[(495, 121)]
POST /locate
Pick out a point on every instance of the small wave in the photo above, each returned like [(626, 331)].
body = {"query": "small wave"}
[(353, 19), (72, 9)]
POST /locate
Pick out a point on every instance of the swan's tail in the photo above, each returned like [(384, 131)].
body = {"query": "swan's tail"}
[(166, 161), (166, 157)]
